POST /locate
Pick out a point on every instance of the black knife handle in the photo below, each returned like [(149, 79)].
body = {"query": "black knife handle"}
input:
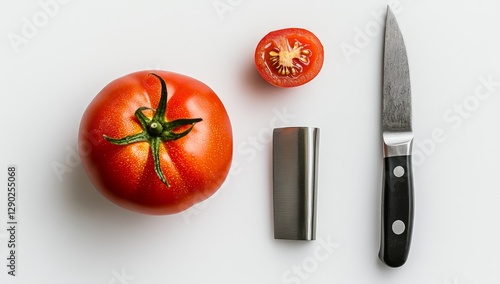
[(397, 210)]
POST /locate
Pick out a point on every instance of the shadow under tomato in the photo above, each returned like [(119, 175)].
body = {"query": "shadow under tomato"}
[(85, 199), (93, 224), (257, 85)]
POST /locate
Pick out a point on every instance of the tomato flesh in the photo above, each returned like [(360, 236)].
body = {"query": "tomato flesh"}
[(289, 57)]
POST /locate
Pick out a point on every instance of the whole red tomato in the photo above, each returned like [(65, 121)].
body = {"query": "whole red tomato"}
[(156, 142), (289, 57)]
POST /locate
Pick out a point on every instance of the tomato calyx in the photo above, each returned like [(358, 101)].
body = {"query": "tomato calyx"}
[(157, 129)]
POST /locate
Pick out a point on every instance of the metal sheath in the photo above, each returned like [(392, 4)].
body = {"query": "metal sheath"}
[(295, 171)]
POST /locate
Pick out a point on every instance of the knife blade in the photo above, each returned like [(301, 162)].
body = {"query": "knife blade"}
[(397, 189)]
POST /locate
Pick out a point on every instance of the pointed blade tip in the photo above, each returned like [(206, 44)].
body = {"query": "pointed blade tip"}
[(390, 13)]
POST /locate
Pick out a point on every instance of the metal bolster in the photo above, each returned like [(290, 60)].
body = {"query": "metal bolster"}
[(397, 143)]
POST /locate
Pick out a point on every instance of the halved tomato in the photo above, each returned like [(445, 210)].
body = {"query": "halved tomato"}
[(289, 57)]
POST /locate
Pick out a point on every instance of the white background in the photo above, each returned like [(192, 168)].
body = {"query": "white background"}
[(68, 233)]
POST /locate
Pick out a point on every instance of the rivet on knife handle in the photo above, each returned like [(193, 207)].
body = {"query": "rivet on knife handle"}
[(397, 210)]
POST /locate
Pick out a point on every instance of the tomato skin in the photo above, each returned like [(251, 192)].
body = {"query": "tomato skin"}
[(284, 39), (195, 165)]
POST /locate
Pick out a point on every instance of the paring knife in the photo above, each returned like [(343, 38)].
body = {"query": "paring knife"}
[(397, 134)]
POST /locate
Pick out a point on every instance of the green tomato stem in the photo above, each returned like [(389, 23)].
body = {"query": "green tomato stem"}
[(156, 130)]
